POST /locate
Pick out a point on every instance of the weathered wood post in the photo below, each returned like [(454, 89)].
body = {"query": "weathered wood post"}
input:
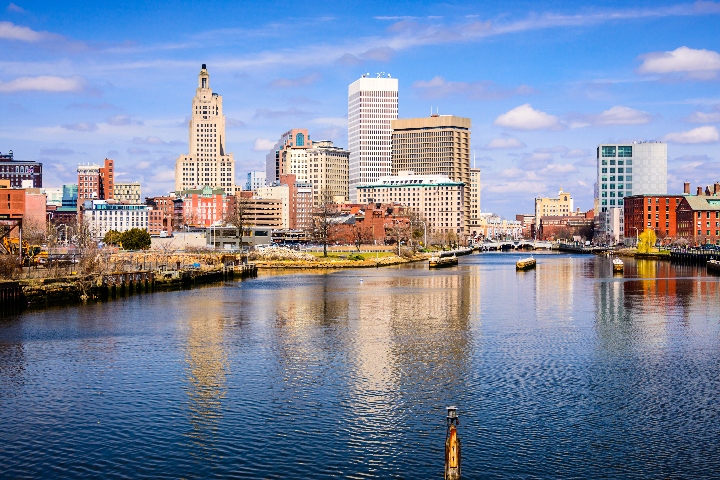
[(452, 446)]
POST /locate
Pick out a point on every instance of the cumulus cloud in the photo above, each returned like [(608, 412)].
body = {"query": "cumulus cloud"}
[(505, 143), (296, 82), (689, 62), (44, 83), (80, 127), (438, 87), (617, 115), (121, 120), (706, 134), (153, 141), (525, 117), (704, 117), (263, 145)]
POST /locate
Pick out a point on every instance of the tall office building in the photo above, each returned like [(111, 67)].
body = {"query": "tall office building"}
[(207, 163), (255, 180), (435, 145), (475, 189), (372, 104), (624, 170), (288, 156)]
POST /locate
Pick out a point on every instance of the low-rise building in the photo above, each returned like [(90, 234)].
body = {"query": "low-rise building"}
[(436, 199), (103, 216), (127, 192), (19, 171), (698, 216), (550, 206), (206, 206), (24, 206), (654, 212), (296, 198)]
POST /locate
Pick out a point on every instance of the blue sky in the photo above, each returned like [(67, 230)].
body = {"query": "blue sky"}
[(543, 83)]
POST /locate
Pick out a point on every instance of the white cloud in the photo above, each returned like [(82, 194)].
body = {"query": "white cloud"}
[(525, 117), (704, 117), (296, 82), (263, 145), (154, 141), (505, 143), (45, 83), (81, 127), (706, 134), (619, 115), (121, 120), (10, 31), (694, 63), (438, 87)]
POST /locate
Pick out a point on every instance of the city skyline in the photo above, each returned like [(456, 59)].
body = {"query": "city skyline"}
[(543, 88)]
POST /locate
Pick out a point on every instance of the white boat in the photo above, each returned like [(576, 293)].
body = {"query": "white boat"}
[(618, 265)]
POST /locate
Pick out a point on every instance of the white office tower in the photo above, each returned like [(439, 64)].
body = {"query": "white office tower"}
[(623, 170), (372, 104), (207, 163)]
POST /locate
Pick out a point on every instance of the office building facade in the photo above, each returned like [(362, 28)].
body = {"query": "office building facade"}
[(372, 105), (20, 173), (207, 162)]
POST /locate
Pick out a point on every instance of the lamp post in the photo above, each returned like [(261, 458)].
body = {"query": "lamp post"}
[(637, 236)]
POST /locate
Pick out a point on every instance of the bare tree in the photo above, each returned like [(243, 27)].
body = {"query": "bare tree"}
[(361, 234), (325, 220)]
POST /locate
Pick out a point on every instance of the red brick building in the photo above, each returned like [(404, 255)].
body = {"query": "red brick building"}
[(96, 182), (27, 205), (203, 208), (554, 227), (374, 222), (163, 215), (654, 212), (698, 218)]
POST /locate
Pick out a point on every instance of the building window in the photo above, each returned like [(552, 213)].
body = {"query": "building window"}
[(299, 140), (625, 151), (608, 151)]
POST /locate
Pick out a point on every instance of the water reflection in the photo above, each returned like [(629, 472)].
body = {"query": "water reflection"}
[(206, 373)]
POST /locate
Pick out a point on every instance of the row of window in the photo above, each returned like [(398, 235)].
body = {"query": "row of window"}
[(622, 151)]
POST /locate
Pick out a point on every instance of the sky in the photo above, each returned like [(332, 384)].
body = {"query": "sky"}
[(543, 82)]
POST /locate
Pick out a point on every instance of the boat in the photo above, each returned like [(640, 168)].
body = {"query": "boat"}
[(525, 263), (440, 262), (618, 265), (713, 266)]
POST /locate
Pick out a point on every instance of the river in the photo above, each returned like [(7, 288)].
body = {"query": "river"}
[(562, 372)]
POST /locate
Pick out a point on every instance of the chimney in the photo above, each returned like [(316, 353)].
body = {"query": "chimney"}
[(699, 191), (716, 189), (686, 190), (707, 191)]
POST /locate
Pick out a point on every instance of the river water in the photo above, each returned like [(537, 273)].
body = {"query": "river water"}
[(562, 372)]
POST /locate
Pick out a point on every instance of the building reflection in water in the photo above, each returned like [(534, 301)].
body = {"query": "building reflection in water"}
[(206, 370), (554, 288)]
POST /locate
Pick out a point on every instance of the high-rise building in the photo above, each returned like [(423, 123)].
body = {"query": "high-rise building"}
[(320, 164), (623, 170), (475, 188), (96, 182), (372, 105), (255, 180), (434, 145), (288, 156), (207, 163)]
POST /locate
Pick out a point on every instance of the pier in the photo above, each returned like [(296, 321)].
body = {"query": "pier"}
[(693, 256)]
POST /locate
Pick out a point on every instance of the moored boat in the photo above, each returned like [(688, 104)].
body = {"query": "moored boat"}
[(713, 266), (525, 263), (439, 262), (618, 265)]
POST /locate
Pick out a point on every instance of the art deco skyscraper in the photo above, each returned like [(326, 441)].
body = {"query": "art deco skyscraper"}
[(372, 104), (207, 163)]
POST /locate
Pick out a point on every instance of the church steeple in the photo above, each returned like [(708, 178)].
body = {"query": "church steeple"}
[(204, 77)]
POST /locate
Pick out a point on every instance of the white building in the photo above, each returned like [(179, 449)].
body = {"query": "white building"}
[(54, 196), (639, 168), (475, 189), (372, 104), (207, 163), (255, 180), (103, 216), (278, 192), (438, 200)]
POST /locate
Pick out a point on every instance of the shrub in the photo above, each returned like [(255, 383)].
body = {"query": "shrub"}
[(8, 266)]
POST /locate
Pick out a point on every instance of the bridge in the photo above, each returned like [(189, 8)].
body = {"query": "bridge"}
[(514, 245)]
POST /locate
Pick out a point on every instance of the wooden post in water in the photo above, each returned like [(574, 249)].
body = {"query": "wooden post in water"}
[(452, 446)]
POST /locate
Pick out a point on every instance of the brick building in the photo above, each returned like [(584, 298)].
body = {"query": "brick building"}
[(19, 171), (205, 207), (96, 182), (698, 217), (654, 212)]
